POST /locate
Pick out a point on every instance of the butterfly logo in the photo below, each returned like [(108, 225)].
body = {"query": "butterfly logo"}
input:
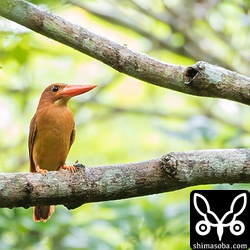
[(210, 219)]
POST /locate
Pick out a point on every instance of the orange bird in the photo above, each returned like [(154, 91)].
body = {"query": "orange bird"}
[(52, 132)]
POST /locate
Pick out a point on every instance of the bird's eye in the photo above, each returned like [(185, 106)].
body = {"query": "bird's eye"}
[(55, 89)]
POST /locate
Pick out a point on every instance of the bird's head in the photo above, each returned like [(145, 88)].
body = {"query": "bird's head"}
[(59, 93)]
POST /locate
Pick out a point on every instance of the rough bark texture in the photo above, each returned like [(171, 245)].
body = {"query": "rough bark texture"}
[(211, 81), (172, 171)]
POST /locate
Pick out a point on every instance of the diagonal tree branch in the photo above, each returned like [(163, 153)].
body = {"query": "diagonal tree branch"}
[(172, 171), (204, 79)]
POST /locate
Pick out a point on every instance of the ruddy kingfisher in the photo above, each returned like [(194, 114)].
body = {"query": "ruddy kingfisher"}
[(52, 132)]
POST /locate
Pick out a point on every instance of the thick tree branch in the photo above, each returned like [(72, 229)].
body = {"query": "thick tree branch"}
[(172, 171), (204, 79)]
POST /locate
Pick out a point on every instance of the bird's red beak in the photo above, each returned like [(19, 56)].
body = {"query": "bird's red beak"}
[(73, 90)]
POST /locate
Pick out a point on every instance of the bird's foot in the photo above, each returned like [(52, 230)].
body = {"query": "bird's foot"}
[(70, 168), (42, 171)]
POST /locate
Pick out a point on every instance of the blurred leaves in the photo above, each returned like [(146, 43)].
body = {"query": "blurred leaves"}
[(123, 120)]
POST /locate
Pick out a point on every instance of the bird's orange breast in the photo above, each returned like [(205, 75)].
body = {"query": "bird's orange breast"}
[(54, 128)]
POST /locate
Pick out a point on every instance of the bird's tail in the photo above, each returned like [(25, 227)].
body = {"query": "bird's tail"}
[(43, 213)]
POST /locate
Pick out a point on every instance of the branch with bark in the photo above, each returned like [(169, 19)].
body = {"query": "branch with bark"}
[(204, 79), (172, 171)]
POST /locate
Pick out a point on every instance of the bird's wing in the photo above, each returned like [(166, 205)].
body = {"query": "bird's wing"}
[(72, 137), (32, 135)]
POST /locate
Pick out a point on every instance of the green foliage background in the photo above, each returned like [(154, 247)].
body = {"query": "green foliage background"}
[(123, 120)]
